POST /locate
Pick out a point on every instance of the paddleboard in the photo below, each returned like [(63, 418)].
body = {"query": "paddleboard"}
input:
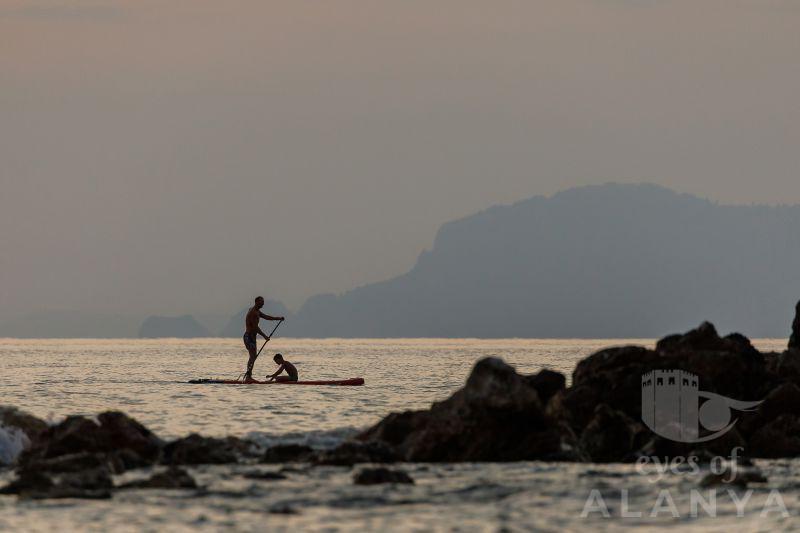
[(340, 382)]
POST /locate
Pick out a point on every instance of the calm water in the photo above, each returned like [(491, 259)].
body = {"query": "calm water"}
[(147, 379)]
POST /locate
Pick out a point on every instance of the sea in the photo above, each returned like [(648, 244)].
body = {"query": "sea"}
[(148, 379)]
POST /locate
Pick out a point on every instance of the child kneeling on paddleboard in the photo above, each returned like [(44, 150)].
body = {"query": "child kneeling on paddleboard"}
[(284, 365)]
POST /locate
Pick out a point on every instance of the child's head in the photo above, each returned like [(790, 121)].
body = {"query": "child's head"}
[(278, 359)]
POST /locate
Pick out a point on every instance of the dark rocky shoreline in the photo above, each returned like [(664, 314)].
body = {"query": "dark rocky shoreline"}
[(498, 416)]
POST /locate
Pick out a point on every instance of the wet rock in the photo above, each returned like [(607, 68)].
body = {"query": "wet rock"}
[(126, 459), (729, 366), (283, 508), (88, 484), (496, 416), (794, 340), (91, 479), (778, 438), (395, 428), (109, 433), (196, 449), (738, 478), (784, 399), (264, 476), (293, 470), (123, 432), (376, 476), (27, 481), (501, 416), (787, 365), (11, 417), (567, 406), (74, 462), (609, 436), (172, 478), (353, 452), (705, 338), (495, 385), (611, 376), (547, 383), (726, 446), (287, 453)]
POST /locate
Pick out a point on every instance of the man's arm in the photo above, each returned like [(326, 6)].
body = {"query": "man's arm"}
[(267, 317), (262, 333)]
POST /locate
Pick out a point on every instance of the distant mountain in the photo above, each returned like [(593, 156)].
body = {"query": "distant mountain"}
[(172, 326), (235, 326), (71, 324), (599, 261), (213, 322)]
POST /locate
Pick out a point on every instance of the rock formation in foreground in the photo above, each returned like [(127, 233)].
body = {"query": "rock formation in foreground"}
[(500, 415)]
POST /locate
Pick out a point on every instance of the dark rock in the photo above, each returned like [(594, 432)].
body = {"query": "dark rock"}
[(729, 366), (497, 416), (547, 383), (264, 476), (794, 340), (787, 365), (609, 436), (74, 462), (172, 478), (784, 399), (287, 453), (196, 449), (395, 428), (574, 406), (611, 376), (282, 508), (293, 470), (112, 432), (27, 481), (28, 424), (92, 484), (704, 338), (738, 478), (92, 479), (723, 446), (493, 384), (353, 452), (376, 476), (778, 438), (126, 459), (126, 433)]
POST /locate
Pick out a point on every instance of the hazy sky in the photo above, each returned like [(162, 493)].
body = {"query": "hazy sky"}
[(179, 156)]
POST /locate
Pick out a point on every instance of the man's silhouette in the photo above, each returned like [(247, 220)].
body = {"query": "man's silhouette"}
[(254, 314)]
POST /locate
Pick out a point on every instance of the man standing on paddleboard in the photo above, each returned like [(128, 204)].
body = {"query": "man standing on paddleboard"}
[(254, 314)]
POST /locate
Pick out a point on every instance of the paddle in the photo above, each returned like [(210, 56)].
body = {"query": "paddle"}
[(269, 337)]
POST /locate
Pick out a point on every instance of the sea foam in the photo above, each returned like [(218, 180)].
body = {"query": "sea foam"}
[(12, 441)]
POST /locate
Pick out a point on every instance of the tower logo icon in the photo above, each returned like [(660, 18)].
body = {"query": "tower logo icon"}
[(671, 407)]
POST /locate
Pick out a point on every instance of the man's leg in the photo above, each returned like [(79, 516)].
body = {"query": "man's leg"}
[(250, 362), (250, 344)]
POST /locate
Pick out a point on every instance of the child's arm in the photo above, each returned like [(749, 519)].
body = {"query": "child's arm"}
[(280, 369)]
